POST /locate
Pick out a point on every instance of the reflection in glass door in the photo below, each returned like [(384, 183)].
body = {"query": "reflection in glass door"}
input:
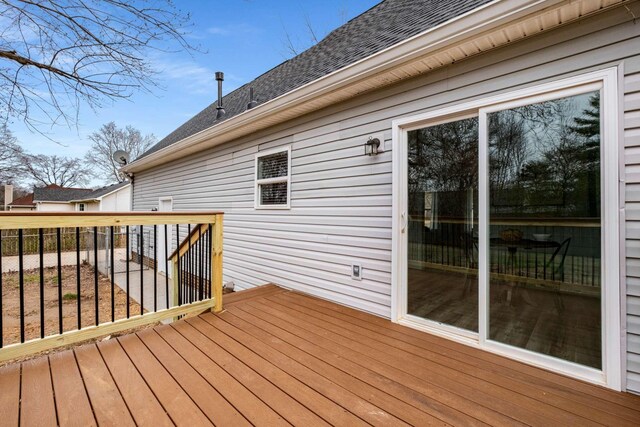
[(545, 228), (442, 179)]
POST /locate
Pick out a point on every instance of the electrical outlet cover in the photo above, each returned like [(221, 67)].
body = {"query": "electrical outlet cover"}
[(356, 271)]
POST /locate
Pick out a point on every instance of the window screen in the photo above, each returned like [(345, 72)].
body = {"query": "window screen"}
[(272, 179), (273, 165)]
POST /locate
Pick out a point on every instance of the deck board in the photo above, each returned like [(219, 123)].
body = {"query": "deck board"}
[(10, 394), (545, 383), (278, 358), (318, 379), (499, 394), (37, 404), (208, 399), (105, 397), (329, 366), (72, 404), (241, 397), (182, 410), (141, 401)]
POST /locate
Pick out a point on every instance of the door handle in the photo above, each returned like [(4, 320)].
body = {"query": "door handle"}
[(403, 225)]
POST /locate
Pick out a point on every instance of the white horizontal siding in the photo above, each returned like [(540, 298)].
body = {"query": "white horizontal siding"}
[(341, 200), (631, 124)]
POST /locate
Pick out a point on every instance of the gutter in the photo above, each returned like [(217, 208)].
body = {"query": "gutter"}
[(457, 30)]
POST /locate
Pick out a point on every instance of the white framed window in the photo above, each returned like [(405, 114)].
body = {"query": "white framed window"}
[(273, 179), (81, 207)]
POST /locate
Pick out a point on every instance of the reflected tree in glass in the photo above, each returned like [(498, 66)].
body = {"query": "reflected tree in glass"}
[(442, 199), (545, 214)]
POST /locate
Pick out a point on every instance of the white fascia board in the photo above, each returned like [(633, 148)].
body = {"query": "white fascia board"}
[(461, 28)]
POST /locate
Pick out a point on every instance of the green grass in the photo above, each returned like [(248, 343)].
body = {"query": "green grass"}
[(70, 297)]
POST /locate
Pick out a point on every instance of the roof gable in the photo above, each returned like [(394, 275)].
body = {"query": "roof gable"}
[(103, 191)]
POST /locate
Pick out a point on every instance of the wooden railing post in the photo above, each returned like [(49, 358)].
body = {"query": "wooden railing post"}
[(216, 263), (174, 282)]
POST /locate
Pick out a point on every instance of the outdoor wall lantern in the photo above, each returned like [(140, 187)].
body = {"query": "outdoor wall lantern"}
[(371, 146)]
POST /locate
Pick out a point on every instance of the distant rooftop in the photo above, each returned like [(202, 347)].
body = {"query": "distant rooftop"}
[(99, 192), (55, 193)]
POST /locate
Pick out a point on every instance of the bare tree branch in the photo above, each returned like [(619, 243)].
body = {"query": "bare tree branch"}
[(108, 140), (58, 55), (44, 170), (10, 154)]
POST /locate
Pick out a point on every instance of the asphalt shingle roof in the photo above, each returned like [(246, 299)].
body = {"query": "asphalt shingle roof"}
[(380, 27), (23, 201), (54, 193), (99, 192)]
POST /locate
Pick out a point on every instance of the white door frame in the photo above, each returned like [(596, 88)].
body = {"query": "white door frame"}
[(612, 340), (161, 255)]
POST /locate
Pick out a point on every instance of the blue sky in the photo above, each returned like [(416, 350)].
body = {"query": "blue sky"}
[(243, 38)]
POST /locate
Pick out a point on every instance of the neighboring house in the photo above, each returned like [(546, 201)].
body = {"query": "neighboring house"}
[(22, 204), (502, 207), (112, 198), (51, 198)]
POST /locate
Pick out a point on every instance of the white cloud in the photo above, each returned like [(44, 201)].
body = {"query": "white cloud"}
[(218, 31), (234, 29), (195, 79)]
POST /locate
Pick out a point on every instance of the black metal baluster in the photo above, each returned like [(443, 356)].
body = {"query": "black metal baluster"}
[(95, 273), (179, 272), (210, 244), (200, 264), (21, 283), (1, 314), (189, 265), (78, 298), (166, 264), (41, 256), (141, 270), (113, 278), (127, 266), (59, 250), (180, 288), (155, 267)]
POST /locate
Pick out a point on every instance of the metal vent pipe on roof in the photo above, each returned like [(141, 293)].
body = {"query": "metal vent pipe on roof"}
[(252, 102), (220, 79)]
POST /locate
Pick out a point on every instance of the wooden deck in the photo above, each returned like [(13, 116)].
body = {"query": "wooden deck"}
[(281, 358)]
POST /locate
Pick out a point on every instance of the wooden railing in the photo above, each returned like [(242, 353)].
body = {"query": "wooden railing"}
[(109, 274)]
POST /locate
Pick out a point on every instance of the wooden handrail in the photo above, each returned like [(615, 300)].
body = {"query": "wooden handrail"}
[(16, 220), (190, 240)]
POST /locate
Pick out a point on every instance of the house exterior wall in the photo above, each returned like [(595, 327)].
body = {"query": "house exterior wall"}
[(341, 200), (88, 206), (118, 201), (21, 209), (55, 207)]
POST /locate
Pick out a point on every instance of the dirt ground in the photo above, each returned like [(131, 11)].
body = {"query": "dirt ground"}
[(11, 302)]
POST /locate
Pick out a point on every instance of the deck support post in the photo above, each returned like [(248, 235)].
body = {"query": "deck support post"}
[(216, 264)]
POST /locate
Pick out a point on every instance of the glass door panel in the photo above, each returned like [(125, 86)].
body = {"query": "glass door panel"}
[(545, 228), (442, 224)]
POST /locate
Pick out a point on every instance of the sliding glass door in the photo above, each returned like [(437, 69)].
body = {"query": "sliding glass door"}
[(443, 199), (507, 216), (545, 228)]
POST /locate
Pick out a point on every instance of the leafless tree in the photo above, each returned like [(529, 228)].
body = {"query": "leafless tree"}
[(58, 55), (42, 169), (300, 44), (109, 139), (10, 154)]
